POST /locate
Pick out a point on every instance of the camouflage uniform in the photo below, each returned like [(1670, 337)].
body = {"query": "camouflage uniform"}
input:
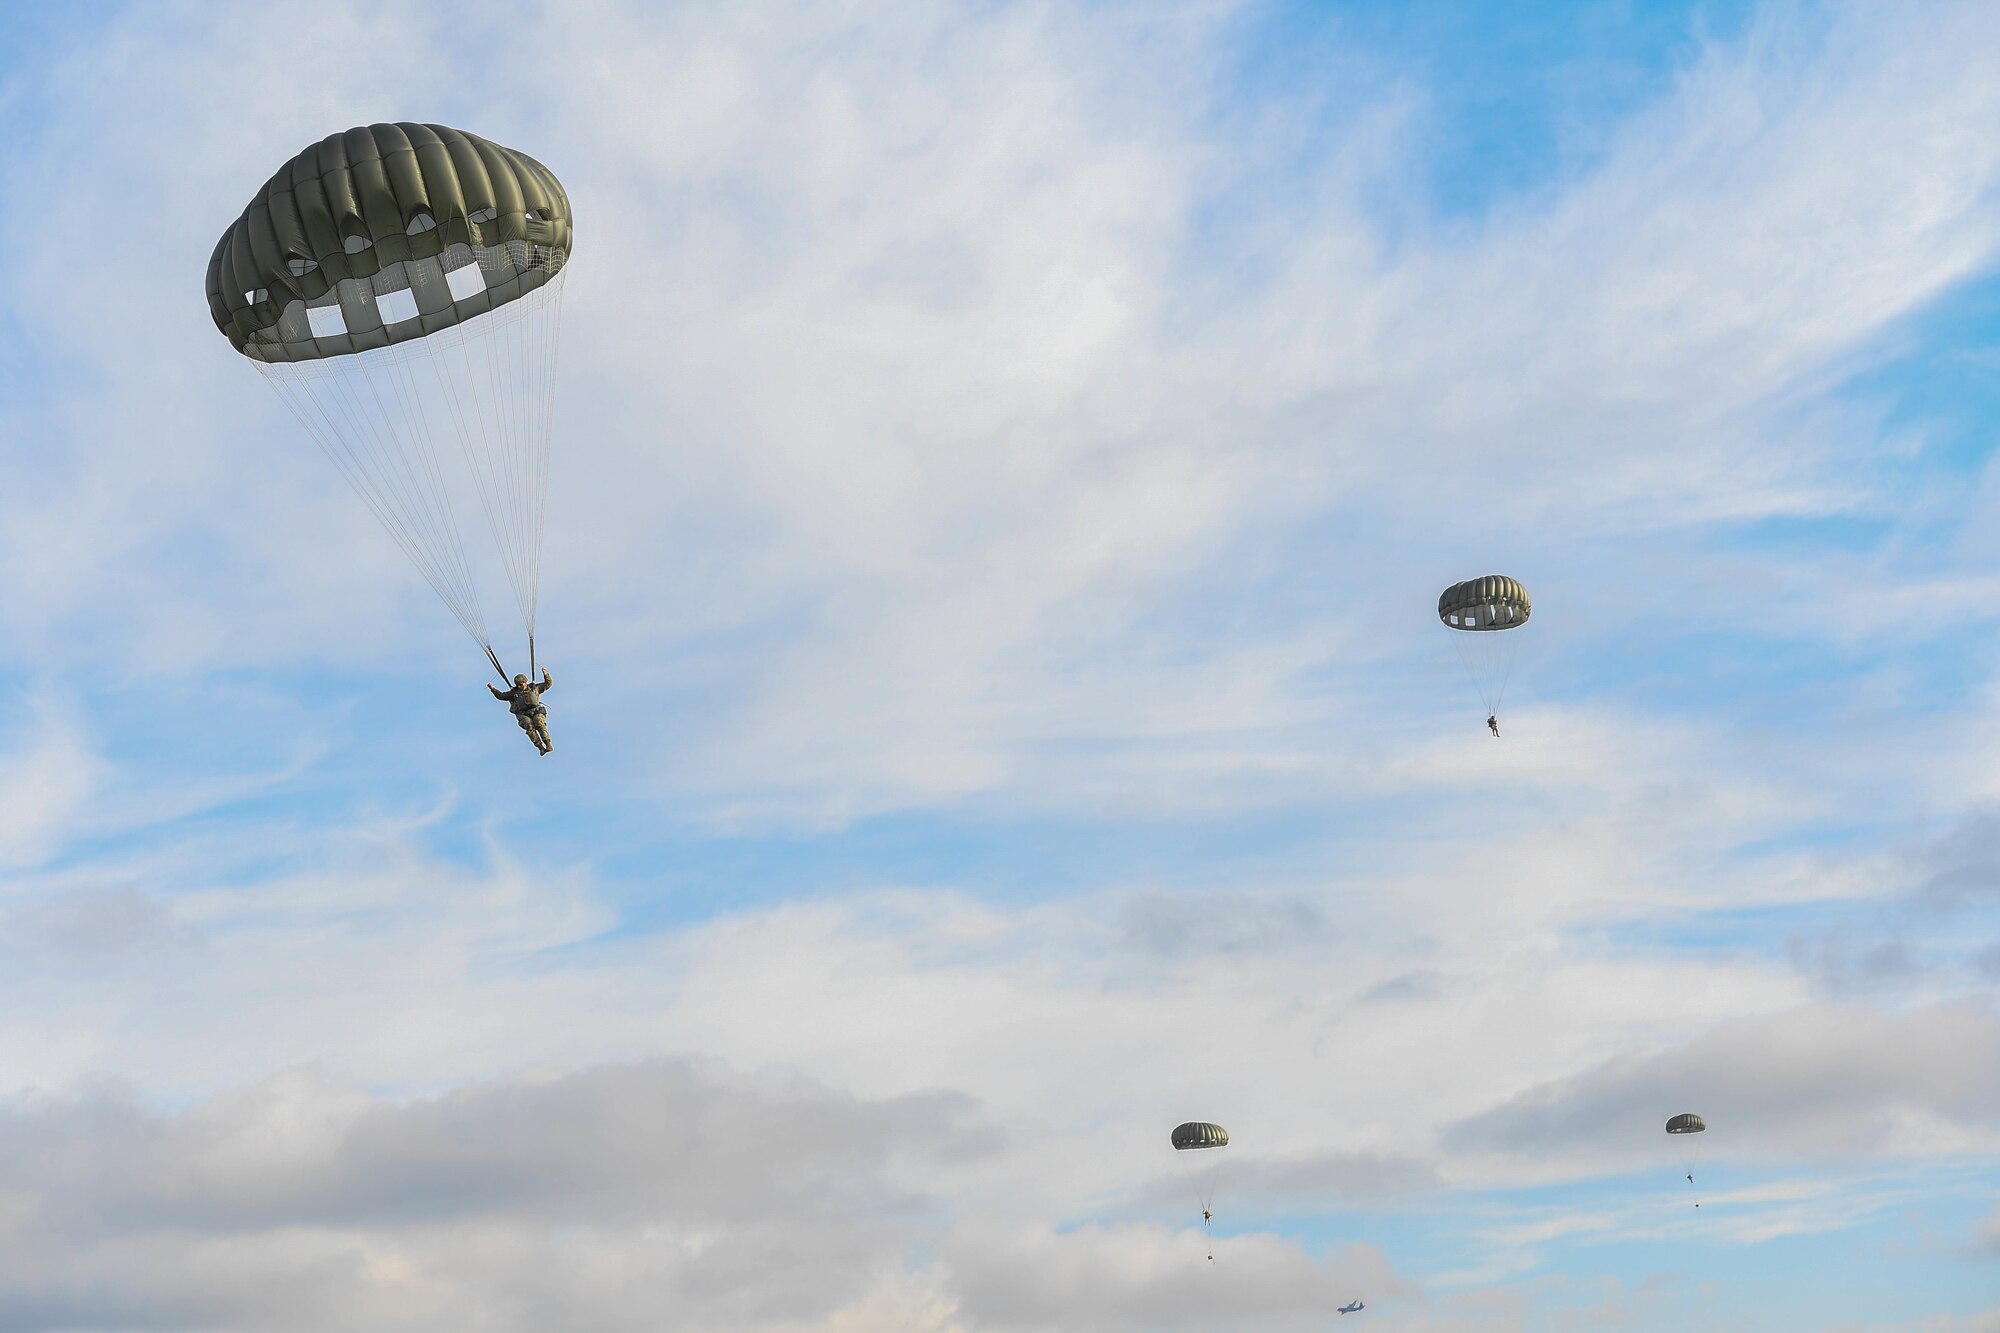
[(525, 701)]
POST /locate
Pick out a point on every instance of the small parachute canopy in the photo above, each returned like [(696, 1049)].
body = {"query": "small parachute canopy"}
[(1199, 1134), (1686, 1123), (1494, 602)]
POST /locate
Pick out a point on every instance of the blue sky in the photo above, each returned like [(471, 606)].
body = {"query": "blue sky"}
[(1006, 460)]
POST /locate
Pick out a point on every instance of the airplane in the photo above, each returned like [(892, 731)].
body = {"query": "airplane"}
[(1350, 1307)]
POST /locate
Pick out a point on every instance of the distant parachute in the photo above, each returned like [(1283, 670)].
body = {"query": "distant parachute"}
[(1681, 1126), (1197, 1136), (1480, 612), (401, 287)]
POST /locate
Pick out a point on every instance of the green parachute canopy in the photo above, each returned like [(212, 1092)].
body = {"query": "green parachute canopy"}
[(401, 288), (1686, 1123), (1199, 1134), (1494, 602), (363, 240)]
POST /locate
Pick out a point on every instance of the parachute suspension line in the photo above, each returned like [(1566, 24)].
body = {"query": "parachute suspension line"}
[(1207, 1231), (1489, 665), (507, 452), (419, 488), (381, 472), (325, 399), (1201, 1179), (415, 485), (509, 357), (371, 413), (411, 408), (487, 461), (1684, 1154), (1464, 651), (1508, 649), (494, 658), (550, 352), (505, 363), (535, 346)]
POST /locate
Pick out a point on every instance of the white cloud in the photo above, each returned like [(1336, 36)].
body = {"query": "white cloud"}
[(757, 1202), (47, 779), (1818, 1083), (1148, 1278)]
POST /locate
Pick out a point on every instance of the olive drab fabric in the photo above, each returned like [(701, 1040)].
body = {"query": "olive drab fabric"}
[(1199, 1134), (1686, 1123), (1494, 602), (379, 225)]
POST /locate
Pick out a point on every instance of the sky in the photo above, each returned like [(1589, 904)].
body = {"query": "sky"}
[(1007, 456)]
